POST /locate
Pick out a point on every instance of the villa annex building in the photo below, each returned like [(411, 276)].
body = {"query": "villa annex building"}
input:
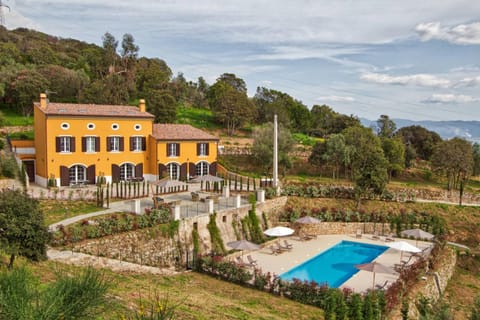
[(78, 143)]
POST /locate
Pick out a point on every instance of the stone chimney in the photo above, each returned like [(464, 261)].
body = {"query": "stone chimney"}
[(141, 105), (43, 100)]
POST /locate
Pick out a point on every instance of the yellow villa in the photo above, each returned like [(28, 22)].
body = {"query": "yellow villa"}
[(78, 143)]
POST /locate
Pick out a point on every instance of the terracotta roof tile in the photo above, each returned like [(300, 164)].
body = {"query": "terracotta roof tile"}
[(180, 132), (98, 110)]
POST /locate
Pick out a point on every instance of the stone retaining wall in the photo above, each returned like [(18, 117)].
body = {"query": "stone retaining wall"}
[(224, 223), (343, 228), (427, 287)]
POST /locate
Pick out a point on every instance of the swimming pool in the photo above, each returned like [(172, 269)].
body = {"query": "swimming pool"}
[(335, 265)]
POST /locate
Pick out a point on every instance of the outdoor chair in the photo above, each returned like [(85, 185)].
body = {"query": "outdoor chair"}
[(358, 234), (251, 261), (275, 251), (287, 244), (375, 236), (281, 248), (303, 236)]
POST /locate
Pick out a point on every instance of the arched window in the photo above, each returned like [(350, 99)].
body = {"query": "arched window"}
[(127, 171), (201, 168), (77, 174), (173, 171)]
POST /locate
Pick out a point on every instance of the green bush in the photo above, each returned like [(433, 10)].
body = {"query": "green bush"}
[(9, 167)]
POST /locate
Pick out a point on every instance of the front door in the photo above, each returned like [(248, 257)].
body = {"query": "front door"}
[(30, 169)]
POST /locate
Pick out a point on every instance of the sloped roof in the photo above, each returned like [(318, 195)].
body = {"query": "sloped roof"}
[(96, 110), (180, 132)]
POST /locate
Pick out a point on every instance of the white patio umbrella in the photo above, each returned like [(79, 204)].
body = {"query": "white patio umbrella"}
[(374, 267), (279, 232), (417, 234), (403, 246)]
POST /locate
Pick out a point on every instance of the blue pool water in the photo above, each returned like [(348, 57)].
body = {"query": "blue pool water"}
[(335, 265)]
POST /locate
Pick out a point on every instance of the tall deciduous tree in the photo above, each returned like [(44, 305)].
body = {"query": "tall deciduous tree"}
[(385, 127), (22, 228), (162, 105), (229, 102), (394, 151), (337, 153), (110, 45), (368, 163), (262, 149), (421, 139), (476, 159), (24, 89), (454, 159)]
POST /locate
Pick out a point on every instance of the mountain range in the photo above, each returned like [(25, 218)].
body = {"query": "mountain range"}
[(469, 130)]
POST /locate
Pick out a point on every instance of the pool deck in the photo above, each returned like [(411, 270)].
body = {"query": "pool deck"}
[(304, 250)]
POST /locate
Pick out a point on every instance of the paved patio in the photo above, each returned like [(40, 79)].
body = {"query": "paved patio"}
[(304, 250)]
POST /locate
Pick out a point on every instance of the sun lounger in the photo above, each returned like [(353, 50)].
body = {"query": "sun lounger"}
[(358, 234), (383, 286), (375, 236), (389, 238), (303, 236)]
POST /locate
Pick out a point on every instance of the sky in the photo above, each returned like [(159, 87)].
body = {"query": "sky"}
[(417, 60)]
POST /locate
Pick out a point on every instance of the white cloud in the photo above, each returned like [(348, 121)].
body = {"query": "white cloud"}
[(336, 99), (451, 98), (267, 82), (468, 82), (460, 34), (424, 80)]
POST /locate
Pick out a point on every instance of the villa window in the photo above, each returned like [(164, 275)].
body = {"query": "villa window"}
[(90, 144), (173, 149), (127, 171), (77, 174), (115, 144), (173, 171), (65, 144), (201, 169), (202, 149), (137, 144)]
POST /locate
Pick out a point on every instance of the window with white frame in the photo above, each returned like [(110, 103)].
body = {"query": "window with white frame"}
[(65, 144), (201, 168), (137, 143), (90, 144), (173, 171), (114, 143), (77, 173), (127, 171), (202, 149), (173, 149)]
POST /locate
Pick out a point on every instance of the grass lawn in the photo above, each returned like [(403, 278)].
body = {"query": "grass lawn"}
[(57, 210), (14, 119), (199, 118), (197, 296)]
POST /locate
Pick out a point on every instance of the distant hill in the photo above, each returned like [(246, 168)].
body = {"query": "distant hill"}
[(469, 130)]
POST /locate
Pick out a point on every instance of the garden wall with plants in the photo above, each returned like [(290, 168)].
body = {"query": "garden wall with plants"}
[(392, 194)]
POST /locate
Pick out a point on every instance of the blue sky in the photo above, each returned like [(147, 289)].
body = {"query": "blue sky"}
[(407, 59)]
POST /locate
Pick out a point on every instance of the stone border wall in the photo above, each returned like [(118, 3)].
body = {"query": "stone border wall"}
[(427, 287), (325, 228)]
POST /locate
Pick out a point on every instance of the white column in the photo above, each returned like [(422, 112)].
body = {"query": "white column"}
[(176, 212), (136, 206), (260, 196), (210, 205), (238, 201), (226, 191), (275, 153)]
